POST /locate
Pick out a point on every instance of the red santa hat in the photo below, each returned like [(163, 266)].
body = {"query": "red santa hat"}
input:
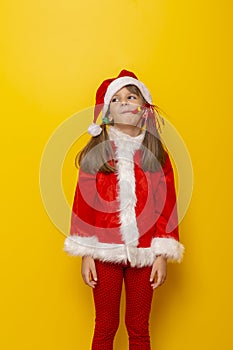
[(108, 89)]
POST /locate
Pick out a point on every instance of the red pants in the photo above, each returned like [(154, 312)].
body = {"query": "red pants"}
[(107, 294)]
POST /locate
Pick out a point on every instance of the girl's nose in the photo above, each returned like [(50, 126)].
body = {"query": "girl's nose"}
[(124, 102)]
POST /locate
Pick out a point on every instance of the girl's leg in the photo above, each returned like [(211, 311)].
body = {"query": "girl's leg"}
[(138, 305), (107, 294)]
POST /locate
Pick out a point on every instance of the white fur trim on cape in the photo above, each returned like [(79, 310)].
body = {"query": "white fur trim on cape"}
[(119, 83), (125, 149), (168, 247), (120, 253)]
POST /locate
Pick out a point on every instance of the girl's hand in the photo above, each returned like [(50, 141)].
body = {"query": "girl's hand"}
[(88, 271), (159, 268)]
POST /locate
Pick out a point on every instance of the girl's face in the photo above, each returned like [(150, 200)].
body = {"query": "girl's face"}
[(122, 105)]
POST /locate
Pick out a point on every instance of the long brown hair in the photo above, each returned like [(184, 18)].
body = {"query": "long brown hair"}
[(98, 154)]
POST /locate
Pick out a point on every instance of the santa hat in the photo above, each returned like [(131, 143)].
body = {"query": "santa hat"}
[(108, 89)]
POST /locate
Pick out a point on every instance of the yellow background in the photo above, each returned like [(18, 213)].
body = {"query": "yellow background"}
[(54, 54)]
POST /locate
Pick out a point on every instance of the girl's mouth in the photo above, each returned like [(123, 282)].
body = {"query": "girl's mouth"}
[(136, 110), (133, 111)]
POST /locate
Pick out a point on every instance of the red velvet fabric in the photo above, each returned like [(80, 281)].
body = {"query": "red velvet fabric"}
[(96, 208)]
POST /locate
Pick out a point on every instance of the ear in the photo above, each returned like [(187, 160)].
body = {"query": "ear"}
[(110, 118)]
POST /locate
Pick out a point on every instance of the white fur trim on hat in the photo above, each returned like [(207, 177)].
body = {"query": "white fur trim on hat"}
[(94, 129), (119, 83)]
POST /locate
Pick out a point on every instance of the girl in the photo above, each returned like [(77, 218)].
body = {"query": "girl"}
[(124, 218)]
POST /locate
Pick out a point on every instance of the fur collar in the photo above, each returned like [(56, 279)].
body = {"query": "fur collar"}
[(117, 135)]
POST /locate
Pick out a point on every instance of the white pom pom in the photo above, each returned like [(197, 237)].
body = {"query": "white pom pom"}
[(94, 129)]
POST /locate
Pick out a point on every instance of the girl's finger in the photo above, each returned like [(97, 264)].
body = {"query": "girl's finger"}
[(86, 277), (152, 275), (159, 282), (88, 281), (93, 272), (156, 284)]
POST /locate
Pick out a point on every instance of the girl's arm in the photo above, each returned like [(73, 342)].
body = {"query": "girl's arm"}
[(166, 235), (81, 241), (159, 270), (82, 225), (83, 218), (89, 271)]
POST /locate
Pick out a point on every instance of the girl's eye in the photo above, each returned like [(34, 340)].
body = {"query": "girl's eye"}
[(115, 99), (132, 97)]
